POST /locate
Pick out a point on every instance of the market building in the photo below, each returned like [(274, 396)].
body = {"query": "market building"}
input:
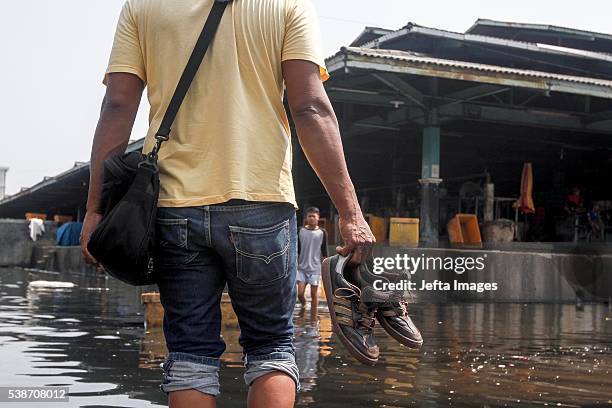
[(437, 123)]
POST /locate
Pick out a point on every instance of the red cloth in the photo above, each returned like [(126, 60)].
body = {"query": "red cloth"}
[(525, 203)]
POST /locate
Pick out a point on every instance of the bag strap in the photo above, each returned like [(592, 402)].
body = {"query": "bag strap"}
[(206, 37)]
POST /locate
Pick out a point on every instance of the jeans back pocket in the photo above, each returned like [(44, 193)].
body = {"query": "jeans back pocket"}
[(172, 232), (172, 242), (262, 254)]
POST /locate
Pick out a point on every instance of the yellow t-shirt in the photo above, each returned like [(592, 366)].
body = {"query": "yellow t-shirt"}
[(231, 138)]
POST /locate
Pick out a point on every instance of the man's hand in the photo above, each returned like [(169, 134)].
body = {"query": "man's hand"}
[(357, 237), (92, 219)]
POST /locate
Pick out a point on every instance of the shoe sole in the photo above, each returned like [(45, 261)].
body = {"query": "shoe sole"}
[(327, 285), (396, 335)]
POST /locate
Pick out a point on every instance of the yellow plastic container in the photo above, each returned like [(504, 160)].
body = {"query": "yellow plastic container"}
[(404, 232), (463, 230)]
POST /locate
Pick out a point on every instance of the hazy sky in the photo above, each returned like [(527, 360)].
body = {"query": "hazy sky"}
[(55, 52)]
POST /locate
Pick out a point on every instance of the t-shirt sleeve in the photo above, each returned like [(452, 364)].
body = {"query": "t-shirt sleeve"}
[(126, 55), (303, 36)]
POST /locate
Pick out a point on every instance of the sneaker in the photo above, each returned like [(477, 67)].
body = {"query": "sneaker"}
[(394, 319), (365, 280), (352, 319)]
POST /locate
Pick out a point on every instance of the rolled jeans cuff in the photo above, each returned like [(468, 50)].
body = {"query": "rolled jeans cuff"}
[(184, 371), (258, 366)]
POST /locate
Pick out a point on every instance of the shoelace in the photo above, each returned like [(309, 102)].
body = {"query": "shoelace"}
[(401, 308), (367, 318), (352, 292)]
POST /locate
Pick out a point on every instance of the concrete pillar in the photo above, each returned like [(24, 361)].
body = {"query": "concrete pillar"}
[(430, 168), (430, 180), (489, 201), (3, 171)]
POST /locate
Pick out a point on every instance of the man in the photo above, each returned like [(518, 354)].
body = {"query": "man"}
[(227, 204), (312, 247)]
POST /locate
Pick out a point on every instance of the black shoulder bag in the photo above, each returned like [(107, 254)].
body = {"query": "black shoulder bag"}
[(124, 241)]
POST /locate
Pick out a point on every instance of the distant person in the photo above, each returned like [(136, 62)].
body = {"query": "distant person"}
[(227, 211), (598, 227), (574, 202), (312, 248)]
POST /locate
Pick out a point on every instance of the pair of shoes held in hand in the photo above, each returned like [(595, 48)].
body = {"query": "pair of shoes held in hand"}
[(354, 306)]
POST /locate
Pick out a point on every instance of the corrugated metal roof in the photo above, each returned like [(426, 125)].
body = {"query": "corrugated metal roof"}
[(566, 31), (420, 59), (47, 181), (412, 28), (369, 34)]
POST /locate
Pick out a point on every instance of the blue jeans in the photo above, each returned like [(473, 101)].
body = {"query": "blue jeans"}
[(252, 248)]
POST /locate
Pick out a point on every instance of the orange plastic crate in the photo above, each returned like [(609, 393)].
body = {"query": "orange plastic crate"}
[(463, 229), (378, 225), (30, 216)]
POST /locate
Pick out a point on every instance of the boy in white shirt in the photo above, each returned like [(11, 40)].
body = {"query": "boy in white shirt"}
[(312, 248)]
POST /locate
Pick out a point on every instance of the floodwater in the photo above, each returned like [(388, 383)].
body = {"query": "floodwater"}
[(91, 338)]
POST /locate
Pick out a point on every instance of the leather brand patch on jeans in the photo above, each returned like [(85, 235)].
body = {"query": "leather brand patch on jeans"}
[(251, 248)]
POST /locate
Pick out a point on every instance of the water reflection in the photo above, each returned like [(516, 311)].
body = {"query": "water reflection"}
[(91, 338)]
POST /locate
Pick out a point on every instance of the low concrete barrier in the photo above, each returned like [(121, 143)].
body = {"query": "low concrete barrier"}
[(521, 276), (16, 247), (59, 259)]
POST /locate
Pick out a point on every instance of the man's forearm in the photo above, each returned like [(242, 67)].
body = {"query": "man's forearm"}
[(319, 136), (111, 138)]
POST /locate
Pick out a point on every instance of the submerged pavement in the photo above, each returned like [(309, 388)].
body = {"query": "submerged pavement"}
[(90, 337)]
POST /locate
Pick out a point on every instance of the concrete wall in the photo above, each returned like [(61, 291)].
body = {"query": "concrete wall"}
[(16, 247), (70, 259), (520, 276), (60, 259)]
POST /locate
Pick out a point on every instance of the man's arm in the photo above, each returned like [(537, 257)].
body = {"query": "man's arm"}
[(119, 109), (319, 135)]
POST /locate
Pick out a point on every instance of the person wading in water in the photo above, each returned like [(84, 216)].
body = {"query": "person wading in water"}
[(227, 211)]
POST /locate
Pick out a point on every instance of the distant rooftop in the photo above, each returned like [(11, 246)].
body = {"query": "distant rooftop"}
[(58, 194), (410, 62), (501, 49), (369, 34), (545, 34)]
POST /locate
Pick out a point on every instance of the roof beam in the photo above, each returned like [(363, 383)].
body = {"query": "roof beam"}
[(521, 117), (402, 87), (603, 126), (598, 118), (505, 79), (368, 98), (391, 121), (476, 92), (479, 113)]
